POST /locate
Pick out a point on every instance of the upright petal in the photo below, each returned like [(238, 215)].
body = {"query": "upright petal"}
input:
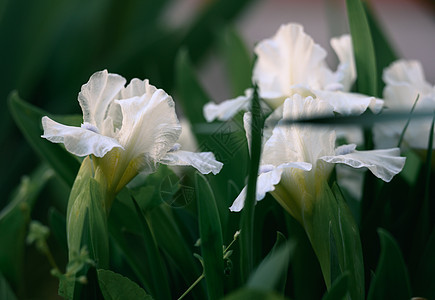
[(384, 163), (290, 57), (204, 162), (343, 48), (79, 141), (303, 143), (149, 126), (97, 94)]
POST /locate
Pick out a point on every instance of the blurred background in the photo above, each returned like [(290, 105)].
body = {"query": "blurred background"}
[(50, 48)]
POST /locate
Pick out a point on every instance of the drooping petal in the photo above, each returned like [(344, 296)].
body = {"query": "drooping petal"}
[(80, 141), (97, 94), (204, 162), (343, 48), (350, 103), (267, 181), (290, 57), (227, 109), (384, 163), (150, 125)]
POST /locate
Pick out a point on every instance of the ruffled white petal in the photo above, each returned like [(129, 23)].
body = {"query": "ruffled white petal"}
[(204, 162), (266, 181), (290, 57), (293, 143), (346, 69), (150, 125), (350, 103), (97, 94), (227, 109), (406, 72), (384, 163), (80, 141)]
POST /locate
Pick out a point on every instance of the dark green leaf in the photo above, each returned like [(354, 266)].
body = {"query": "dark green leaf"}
[(117, 287), (210, 232), (363, 48), (238, 60), (339, 288), (384, 52), (6, 292), (391, 280), (28, 118), (159, 283), (253, 294), (14, 219), (424, 277), (190, 92), (247, 218), (332, 216), (57, 223), (268, 274)]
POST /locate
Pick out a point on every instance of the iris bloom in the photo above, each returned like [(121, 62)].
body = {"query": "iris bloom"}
[(291, 63), (297, 160), (404, 82), (126, 130)]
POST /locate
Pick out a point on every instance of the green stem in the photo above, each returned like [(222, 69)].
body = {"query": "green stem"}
[(192, 286)]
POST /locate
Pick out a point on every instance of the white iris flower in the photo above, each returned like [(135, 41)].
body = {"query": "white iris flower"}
[(405, 81), (127, 130), (291, 63), (297, 160)]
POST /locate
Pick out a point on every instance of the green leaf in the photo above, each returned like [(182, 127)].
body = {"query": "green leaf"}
[(28, 118), (14, 219), (213, 14), (332, 222), (57, 223), (364, 51), (384, 52), (193, 96), (6, 292), (168, 233), (210, 232), (268, 274), (247, 217), (159, 283), (339, 288), (117, 287), (391, 280), (424, 276), (238, 60), (253, 294)]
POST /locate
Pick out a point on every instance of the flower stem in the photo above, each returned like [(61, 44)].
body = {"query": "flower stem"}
[(192, 286)]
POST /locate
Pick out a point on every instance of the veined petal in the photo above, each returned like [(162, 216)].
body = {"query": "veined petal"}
[(408, 72), (289, 57), (266, 181), (227, 109), (343, 48), (298, 143), (204, 162), (152, 126), (350, 103), (384, 163), (97, 94), (78, 140)]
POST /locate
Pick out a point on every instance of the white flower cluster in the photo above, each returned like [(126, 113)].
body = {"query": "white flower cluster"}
[(295, 81)]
